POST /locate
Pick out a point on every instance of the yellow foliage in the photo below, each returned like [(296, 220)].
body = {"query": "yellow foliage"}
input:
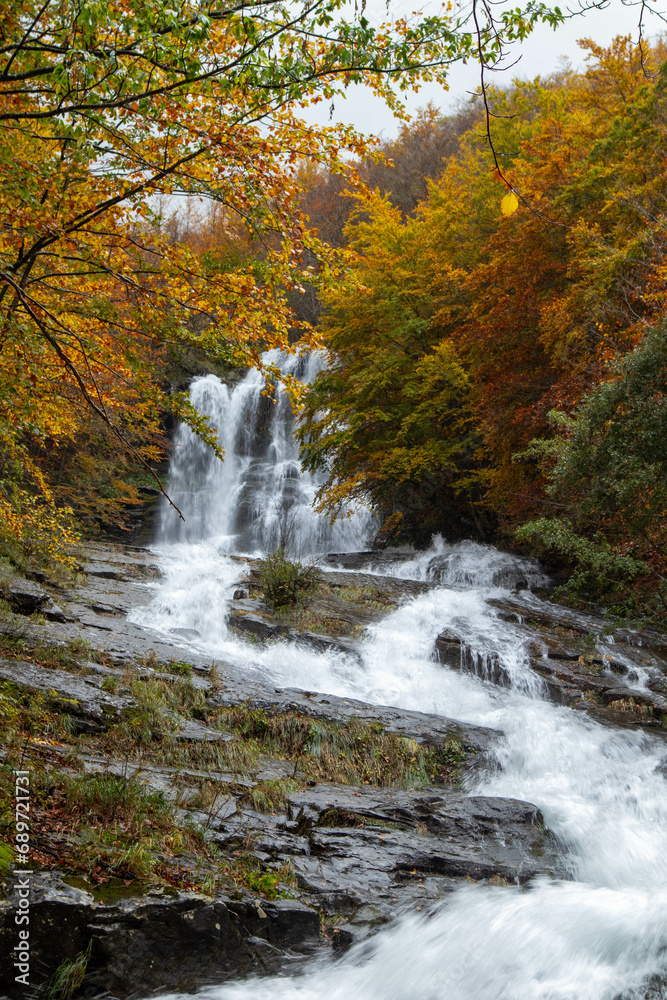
[(509, 203)]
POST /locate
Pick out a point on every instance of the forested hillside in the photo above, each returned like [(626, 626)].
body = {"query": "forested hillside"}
[(492, 284), (498, 365), (114, 118)]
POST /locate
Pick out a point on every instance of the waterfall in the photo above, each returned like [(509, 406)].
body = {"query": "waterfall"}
[(259, 497), (601, 936)]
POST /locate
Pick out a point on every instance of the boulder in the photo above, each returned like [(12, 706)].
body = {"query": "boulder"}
[(146, 939), (371, 847), (448, 649), (26, 598)]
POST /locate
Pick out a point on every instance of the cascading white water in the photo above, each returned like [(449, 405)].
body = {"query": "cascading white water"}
[(602, 936), (466, 564), (258, 497)]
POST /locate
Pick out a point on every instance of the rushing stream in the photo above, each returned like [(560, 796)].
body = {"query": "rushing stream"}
[(601, 936)]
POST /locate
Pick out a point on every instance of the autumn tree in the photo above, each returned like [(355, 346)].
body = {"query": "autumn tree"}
[(389, 418), (533, 302), (105, 107), (550, 293), (399, 169)]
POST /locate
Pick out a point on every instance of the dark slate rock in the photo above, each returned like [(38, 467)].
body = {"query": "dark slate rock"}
[(651, 701), (73, 693), (456, 654), (448, 649), (493, 835), (26, 598), (152, 940), (371, 847), (558, 647), (246, 618)]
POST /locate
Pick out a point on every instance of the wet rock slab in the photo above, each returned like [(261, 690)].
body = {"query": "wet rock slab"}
[(27, 598), (153, 939), (581, 661), (118, 579), (365, 855), (74, 694), (363, 840)]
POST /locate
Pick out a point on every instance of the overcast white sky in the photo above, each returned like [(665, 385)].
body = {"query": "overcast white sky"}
[(540, 54)]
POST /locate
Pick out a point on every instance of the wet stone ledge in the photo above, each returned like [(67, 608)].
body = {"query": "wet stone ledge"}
[(152, 939), (562, 649)]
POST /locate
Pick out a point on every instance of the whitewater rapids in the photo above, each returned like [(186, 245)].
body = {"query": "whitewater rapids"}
[(600, 936)]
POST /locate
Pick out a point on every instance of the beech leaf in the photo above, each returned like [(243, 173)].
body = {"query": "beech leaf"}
[(509, 204)]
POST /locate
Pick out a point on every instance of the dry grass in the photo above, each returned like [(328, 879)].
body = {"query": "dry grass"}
[(355, 753)]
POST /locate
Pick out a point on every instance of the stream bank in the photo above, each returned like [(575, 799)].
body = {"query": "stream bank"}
[(422, 782), (319, 818)]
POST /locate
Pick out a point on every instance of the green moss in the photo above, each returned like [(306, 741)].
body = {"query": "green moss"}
[(180, 667), (246, 871)]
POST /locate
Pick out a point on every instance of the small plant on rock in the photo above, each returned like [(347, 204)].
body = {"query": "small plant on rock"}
[(283, 580), (68, 977)]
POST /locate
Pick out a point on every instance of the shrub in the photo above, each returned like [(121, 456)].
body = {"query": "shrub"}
[(283, 580)]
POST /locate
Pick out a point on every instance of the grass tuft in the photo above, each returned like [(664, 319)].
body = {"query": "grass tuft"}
[(68, 977)]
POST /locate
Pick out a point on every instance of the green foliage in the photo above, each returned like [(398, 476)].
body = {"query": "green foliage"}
[(615, 452), (157, 704), (609, 471), (9, 706), (246, 870), (180, 667), (30, 713), (282, 579), (68, 977), (267, 883), (598, 569), (152, 716)]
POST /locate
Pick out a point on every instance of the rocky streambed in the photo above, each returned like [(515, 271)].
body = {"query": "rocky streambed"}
[(196, 820)]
